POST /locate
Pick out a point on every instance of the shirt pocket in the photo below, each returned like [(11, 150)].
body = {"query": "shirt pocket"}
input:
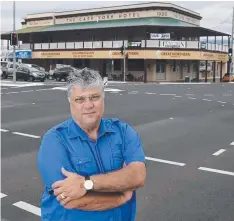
[(117, 156), (84, 165)]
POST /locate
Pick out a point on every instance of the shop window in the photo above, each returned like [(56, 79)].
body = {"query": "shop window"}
[(135, 65)]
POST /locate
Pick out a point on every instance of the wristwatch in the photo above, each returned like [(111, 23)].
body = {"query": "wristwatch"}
[(88, 184)]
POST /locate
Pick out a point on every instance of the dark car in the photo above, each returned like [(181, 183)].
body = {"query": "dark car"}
[(29, 74), (62, 73)]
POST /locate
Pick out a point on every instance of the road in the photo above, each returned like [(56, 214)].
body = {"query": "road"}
[(186, 130)]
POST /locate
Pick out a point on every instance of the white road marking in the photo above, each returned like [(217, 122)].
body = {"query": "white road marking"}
[(193, 98), (4, 88), (206, 100), (114, 92), (3, 130), (178, 96), (171, 118), (33, 103), (12, 92), (232, 143), (28, 207), (150, 93), (26, 135), (2, 195), (168, 94), (165, 161), (27, 91), (219, 152), (189, 94), (222, 102), (43, 89), (216, 171)]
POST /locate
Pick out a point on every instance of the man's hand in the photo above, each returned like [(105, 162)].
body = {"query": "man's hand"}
[(70, 188)]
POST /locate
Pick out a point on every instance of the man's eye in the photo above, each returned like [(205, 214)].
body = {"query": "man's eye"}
[(78, 100), (95, 97)]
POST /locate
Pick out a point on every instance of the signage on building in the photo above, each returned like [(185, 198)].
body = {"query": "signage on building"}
[(69, 19), (132, 54), (134, 44), (155, 36), (23, 54), (172, 44)]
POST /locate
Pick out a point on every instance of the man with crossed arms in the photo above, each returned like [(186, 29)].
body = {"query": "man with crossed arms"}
[(90, 166)]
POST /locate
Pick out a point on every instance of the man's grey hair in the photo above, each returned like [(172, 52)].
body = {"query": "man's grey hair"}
[(84, 79)]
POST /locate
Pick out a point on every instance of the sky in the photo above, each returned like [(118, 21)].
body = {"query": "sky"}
[(216, 15)]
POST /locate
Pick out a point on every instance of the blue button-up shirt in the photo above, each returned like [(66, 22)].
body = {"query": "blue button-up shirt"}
[(67, 145)]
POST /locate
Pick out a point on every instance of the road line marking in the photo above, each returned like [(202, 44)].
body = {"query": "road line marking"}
[(193, 98), (222, 102), (232, 143), (165, 161), (2, 195), (216, 171), (219, 152), (26, 135), (43, 89), (27, 91), (168, 94), (3, 130), (189, 94), (178, 96), (150, 93), (206, 100), (12, 92), (28, 207)]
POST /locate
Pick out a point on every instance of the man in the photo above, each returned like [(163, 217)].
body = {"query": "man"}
[(90, 166)]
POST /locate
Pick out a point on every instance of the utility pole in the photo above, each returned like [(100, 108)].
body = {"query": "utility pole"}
[(14, 72), (231, 63)]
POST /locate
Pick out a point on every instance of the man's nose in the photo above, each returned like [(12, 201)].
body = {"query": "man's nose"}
[(88, 104)]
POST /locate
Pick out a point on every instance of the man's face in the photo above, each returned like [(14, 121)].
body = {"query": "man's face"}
[(87, 106)]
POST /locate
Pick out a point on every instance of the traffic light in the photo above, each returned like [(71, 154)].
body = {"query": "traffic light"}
[(14, 39)]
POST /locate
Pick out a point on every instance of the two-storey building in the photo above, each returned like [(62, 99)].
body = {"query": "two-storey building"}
[(147, 42)]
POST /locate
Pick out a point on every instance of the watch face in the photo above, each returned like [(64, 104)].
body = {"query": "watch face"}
[(88, 185)]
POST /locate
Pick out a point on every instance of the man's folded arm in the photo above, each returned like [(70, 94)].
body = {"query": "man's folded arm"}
[(95, 201), (52, 156)]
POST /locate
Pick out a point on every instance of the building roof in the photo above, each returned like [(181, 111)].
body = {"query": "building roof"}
[(169, 22), (108, 24)]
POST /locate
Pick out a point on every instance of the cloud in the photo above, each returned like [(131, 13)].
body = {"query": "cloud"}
[(215, 15)]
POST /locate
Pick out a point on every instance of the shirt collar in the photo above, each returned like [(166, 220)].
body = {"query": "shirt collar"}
[(74, 129)]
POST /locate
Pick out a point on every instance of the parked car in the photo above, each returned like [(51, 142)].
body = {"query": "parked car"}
[(62, 73), (29, 74), (226, 77), (39, 68), (8, 70)]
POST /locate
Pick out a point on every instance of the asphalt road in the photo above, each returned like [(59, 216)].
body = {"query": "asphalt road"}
[(181, 127)]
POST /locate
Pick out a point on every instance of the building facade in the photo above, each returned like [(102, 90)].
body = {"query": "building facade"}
[(147, 42)]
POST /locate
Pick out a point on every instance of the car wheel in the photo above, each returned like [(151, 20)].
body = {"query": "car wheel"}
[(42, 80), (31, 79)]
